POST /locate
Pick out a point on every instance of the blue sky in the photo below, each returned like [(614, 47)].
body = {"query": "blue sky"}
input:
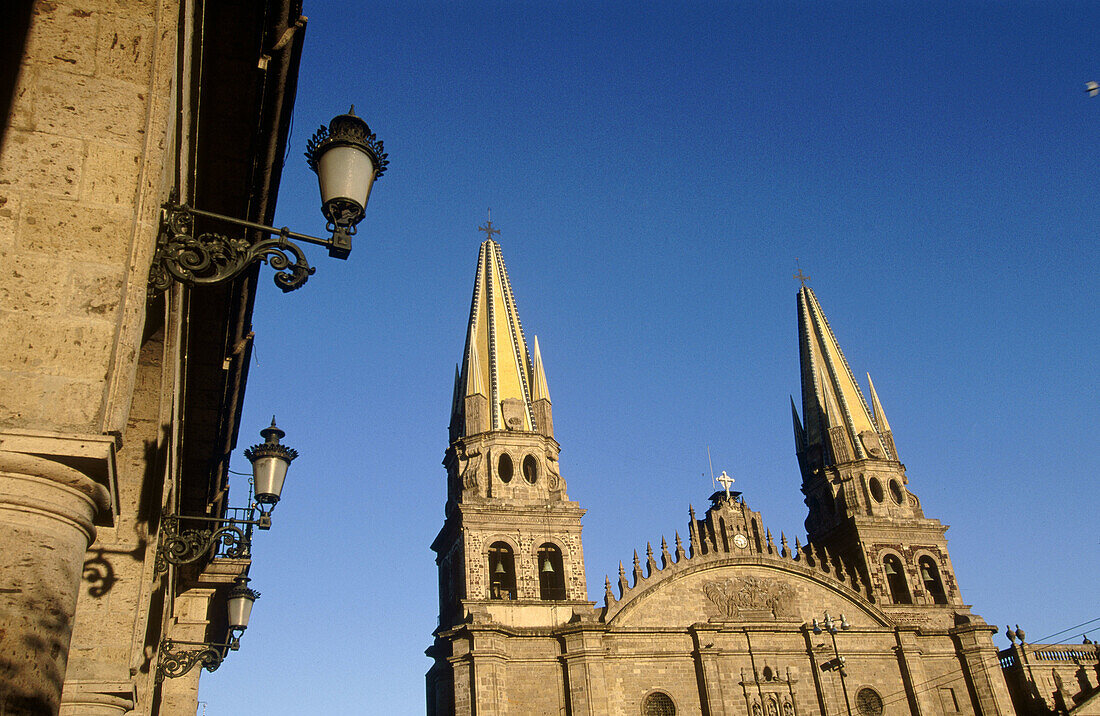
[(655, 170)]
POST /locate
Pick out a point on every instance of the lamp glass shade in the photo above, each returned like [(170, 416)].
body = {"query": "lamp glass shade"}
[(268, 475), (345, 171), (239, 606)]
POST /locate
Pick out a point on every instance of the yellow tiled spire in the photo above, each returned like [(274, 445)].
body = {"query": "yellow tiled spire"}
[(880, 416), (496, 363), (831, 398), (542, 391)]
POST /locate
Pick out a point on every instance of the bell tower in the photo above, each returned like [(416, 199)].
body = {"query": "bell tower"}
[(857, 492), (510, 548)]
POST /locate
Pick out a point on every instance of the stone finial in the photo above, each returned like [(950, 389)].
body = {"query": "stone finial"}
[(771, 545), (785, 552), (608, 595), (1010, 634), (666, 558), (797, 548), (637, 569), (693, 532), (680, 553), (650, 563), (623, 584), (1020, 634)]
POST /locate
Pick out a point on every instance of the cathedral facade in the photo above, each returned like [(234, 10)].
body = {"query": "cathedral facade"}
[(865, 618)]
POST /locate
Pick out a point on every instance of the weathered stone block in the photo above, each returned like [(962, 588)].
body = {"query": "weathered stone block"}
[(48, 403), (32, 283), (73, 105), (96, 290), (124, 49), (9, 218), (110, 175), (73, 350), (22, 114), (63, 36), (68, 231), (38, 162)]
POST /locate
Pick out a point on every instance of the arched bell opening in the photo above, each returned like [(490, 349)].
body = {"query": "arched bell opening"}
[(551, 572), (502, 571), (930, 576), (895, 580)]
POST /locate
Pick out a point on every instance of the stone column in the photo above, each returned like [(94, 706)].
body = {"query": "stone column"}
[(982, 667), (92, 702), (46, 514), (583, 659), (179, 696), (913, 674)]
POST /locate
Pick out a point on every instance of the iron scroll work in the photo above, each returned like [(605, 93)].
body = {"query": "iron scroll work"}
[(209, 257), (182, 547), (174, 662)]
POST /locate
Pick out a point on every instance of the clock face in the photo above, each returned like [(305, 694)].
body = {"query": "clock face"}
[(741, 541)]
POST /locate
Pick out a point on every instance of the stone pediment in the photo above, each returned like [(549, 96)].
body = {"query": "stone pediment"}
[(737, 590)]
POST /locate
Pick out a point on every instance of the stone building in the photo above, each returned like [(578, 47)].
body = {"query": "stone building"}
[(729, 619), (1047, 679), (120, 406)]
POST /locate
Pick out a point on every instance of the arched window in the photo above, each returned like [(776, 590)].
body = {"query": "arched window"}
[(895, 579), (502, 571), (658, 704), (551, 572), (931, 578), (504, 468), (868, 702), (530, 470)]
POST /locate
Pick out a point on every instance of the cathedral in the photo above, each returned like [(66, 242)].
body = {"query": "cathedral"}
[(865, 617)]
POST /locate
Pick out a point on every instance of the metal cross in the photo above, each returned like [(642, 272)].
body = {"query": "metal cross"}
[(801, 276), (488, 228), (725, 480)]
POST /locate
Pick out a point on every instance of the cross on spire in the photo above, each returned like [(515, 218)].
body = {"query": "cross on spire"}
[(488, 228), (801, 276), (725, 481)]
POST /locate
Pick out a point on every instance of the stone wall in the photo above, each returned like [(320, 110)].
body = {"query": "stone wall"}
[(84, 166)]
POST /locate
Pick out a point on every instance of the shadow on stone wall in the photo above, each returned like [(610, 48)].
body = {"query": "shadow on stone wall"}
[(31, 685)]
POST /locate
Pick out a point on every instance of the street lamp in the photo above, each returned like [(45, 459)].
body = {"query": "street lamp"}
[(837, 662), (173, 662), (270, 460), (347, 157)]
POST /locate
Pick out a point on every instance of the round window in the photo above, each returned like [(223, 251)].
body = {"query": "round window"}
[(504, 468), (896, 492), (530, 469), (876, 489), (658, 704), (868, 702)]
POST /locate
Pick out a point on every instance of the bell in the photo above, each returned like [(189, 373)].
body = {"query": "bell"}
[(547, 568), (500, 568)]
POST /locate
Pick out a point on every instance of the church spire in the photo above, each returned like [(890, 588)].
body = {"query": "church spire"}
[(501, 388), (839, 426)]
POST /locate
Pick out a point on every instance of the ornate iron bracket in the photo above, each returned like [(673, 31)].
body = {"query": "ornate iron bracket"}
[(182, 547), (173, 663), (212, 258)]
